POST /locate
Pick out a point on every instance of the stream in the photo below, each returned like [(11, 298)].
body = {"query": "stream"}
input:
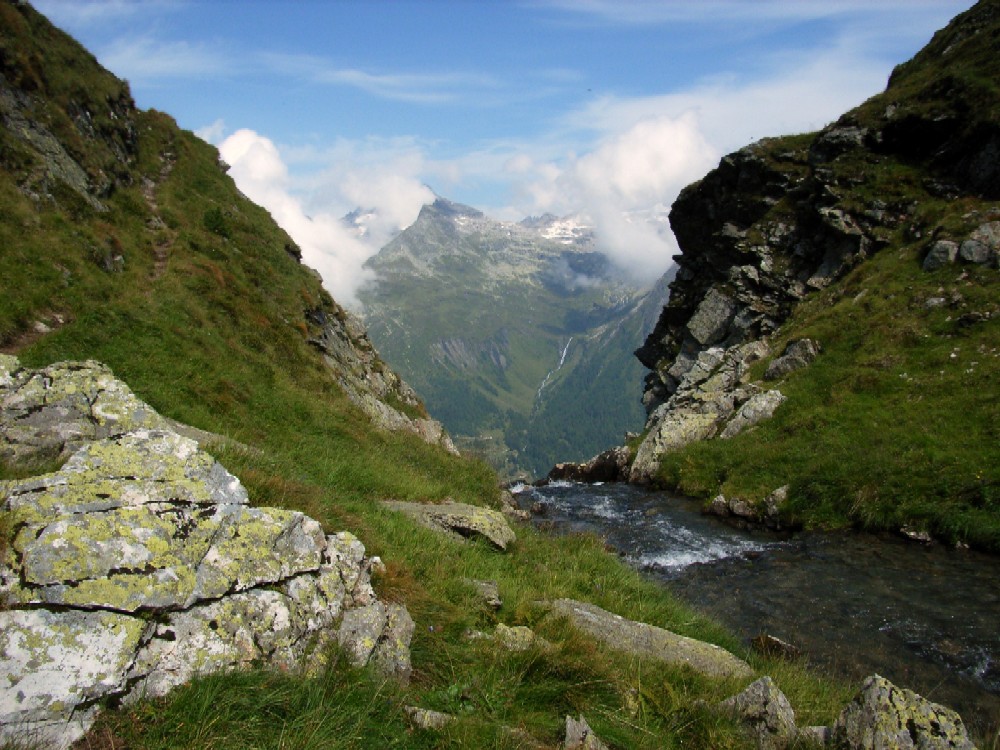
[(923, 616)]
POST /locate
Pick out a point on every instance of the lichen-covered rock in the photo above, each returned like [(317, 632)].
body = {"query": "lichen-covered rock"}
[(766, 712), (460, 520), (55, 665), (424, 718), (379, 633), (392, 652), (53, 411), (140, 564), (518, 638), (649, 641), (147, 521), (759, 407), (885, 717)]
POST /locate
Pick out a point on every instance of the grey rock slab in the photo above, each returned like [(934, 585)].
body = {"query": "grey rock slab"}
[(761, 406), (649, 641), (797, 354), (392, 652), (460, 520), (711, 320), (52, 662)]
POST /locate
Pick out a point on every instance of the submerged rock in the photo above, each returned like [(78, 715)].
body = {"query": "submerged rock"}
[(649, 641)]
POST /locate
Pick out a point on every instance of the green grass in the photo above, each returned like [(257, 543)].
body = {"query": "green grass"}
[(896, 423), (216, 336)]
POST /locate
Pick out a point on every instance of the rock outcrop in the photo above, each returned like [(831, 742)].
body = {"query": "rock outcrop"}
[(140, 564), (712, 397), (610, 466), (649, 641), (388, 401), (981, 246), (784, 217)]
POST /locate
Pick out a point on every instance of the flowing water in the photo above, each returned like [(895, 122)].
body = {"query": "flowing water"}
[(925, 617)]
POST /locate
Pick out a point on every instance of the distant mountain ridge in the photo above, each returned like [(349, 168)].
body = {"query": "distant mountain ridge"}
[(494, 323)]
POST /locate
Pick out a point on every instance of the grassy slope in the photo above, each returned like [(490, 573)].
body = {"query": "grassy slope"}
[(218, 340), (897, 423)]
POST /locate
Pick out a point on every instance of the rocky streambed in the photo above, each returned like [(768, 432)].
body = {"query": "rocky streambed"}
[(924, 616)]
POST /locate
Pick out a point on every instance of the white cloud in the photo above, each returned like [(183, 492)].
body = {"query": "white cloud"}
[(644, 12), (643, 150), (336, 252), (213, 133), (144, 58), (624, 179), (92, 12), (415, 88), (805, 94)]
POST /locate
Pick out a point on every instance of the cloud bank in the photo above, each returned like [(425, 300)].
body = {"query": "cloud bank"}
[(623, 185), (328, 246)]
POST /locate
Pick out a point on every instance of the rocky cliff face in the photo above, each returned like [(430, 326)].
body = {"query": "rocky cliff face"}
[(786, 217)]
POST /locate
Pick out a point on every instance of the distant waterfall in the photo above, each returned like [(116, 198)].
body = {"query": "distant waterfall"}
[(548, 377)]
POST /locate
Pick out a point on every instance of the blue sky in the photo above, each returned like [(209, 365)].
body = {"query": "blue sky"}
[(600, 107)]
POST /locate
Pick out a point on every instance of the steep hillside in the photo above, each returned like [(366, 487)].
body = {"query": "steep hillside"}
[(505, 328), (122, 232), (876, 239)]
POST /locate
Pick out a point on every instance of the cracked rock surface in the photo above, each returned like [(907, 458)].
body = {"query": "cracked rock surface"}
[(140, 564)]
